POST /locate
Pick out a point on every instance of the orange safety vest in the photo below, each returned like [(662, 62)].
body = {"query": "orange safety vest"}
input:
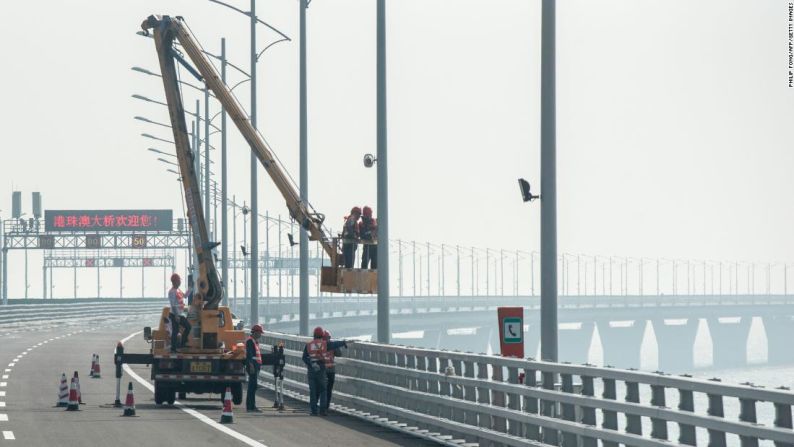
[(317, 349), (329, 358), (258, 355)]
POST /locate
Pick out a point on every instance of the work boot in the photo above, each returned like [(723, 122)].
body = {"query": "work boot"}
[(280, 407), (275, 404)]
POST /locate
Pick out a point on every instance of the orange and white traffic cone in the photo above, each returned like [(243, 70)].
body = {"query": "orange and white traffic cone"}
[(73, 405), (95, 373), (226, 416), (76, 379), (93, 364), (129, 404), (63, 392)]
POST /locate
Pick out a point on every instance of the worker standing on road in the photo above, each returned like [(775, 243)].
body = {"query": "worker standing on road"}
[(350, 237), (177, 314), (253, 363), (314, 357), (368, 232), (330, 371)]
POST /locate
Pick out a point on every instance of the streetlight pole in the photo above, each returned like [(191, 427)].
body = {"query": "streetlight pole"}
[(383, 177), (304, 177), (224, 185), (254, 196)]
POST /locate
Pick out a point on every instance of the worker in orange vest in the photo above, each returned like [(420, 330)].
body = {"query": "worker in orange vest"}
[(314, 356), (253, 363), (176, 300), (368, 232), (350, 237), (330, 371)]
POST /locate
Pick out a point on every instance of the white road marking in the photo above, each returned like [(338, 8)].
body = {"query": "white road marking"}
[(12, 364), (5, 376), (8, 370), (29, 349), (3, 384), (2, 394), (217, 426), (8, 435), (3, 418), (2, 404)]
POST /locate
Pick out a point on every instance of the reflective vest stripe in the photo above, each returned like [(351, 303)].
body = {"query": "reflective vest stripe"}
[(180, 299), (329, 358)]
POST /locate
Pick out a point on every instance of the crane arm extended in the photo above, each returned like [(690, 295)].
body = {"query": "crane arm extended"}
[(167, 29), (208, 286)]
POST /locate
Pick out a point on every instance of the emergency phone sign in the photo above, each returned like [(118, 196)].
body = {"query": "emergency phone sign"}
[(511, 331)]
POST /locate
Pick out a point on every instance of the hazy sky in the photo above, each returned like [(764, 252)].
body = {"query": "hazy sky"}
[(674, 117)]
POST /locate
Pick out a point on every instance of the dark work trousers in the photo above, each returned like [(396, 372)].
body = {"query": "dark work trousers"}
[(369, 257), (176, 323), (250, 396), (349, 252), (317, 390), (329, 386)]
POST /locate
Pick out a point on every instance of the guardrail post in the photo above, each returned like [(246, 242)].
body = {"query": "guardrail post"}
[(498, 399), (716, 437), (513, 401), (610, 420), (549, 435), (483, 397), (633, 422), (686, 432), (747, 414), (457, 391), (783, 420), (470, 394), (432, 366), (588, 413), (658, 426), (410, 363), (531, 404), (445, 411), (421, 365), (568, 410)]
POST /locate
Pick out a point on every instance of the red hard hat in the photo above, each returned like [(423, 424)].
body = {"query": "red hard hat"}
[(367, 211), (175, 277), (355, 210), (318, 332), (326, 335), (257, 329)]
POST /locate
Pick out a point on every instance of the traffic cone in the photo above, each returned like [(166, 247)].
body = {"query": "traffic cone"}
[(226, 416), (93, 364), (73, 405), (77, 384), (95, 373), (129, 404), (63, 392)]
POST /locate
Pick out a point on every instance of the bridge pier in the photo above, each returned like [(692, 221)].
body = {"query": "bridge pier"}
[(779, 333), (621, 342), (729, 341), (676, 344), (574, 343)]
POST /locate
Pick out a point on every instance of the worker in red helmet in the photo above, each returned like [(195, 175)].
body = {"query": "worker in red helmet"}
[(176, 300), (350, 237), (368, 232), (330, 371), (253, 363), (314, 356)]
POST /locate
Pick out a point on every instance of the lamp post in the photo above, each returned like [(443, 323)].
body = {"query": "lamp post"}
[(383, 175), (304, 177)]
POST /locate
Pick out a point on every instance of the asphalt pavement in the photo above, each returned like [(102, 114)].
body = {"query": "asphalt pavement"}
[(33, 357)]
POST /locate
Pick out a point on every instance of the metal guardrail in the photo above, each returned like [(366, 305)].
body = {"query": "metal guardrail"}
[(22, 313), (491, 400)]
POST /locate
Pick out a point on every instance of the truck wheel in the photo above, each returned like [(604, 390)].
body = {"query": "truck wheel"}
[(159, 395), (171, 396), (237, 393)]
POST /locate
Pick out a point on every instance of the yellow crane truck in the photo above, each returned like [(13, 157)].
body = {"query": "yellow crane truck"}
[(214, 355)]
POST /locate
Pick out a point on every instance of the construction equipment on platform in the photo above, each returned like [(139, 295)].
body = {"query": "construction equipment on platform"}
[(333, 278)]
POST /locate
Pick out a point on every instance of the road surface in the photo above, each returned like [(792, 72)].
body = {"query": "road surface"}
[(33, 357)]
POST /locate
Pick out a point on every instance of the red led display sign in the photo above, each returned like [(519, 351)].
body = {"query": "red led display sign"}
[(108, 220)]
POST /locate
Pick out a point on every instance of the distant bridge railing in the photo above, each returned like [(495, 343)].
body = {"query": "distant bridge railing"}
[(63, 310), (460, 397)]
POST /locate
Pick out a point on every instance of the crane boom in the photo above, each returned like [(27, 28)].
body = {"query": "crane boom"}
[(166, 31)]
